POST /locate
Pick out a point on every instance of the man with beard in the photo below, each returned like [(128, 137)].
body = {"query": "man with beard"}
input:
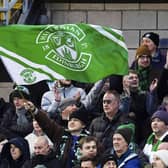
[(62, 89)]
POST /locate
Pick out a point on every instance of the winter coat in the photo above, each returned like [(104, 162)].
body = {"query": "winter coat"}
[(48, 161), (5, 108), (153, 73), (150, 147), (61, 138), (11, 128), (6, 160), (142, 104), (102, 128), (129, 160)]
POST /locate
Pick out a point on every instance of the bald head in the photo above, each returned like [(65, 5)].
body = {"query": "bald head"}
[(41, 146)]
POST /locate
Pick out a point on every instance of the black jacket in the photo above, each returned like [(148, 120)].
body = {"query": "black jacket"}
[(48, 161)]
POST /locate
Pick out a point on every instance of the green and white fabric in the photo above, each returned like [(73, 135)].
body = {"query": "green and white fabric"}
[(81, 52)]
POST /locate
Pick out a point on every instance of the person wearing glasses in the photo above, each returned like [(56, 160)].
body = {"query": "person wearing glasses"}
[(103, 127), (143, 66)]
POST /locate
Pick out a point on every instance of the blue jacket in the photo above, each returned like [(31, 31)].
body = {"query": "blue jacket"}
[(129, 160)]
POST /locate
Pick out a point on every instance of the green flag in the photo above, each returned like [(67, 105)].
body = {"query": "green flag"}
[(81, 52)]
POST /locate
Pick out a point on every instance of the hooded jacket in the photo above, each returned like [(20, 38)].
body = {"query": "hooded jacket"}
[(6, 160)]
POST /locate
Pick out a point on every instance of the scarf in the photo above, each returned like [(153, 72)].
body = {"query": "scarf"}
[(143, 74)]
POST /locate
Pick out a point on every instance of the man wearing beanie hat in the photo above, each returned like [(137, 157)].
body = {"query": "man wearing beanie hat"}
[(154, 37), (126, 158), (66, 141), (151, 40), (159, 125), (80, 114), (19, 121), (65, 108), (142, 50), (126, 133), (109, 161), (160, 159), (142, 65)]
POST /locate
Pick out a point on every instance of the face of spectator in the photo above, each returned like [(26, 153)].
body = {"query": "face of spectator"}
[(15, 152), (158, 126), (131, 81), (36, 127), (119, 144), (41, 148), (157, 163), (110, 105), (106, 85), (65, 82), (75, 125), (110, 164), (87, 164), (89, 149), (148, 42), (18, 102), (144, 61)]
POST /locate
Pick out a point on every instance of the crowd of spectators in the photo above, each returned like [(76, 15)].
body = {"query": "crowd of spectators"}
[(113, 123)]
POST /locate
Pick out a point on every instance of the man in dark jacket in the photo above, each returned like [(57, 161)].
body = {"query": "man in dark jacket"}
[(5, 108), (141, 104), (17, 122), (103, 127), (66, 141), (125, 157), (44, 155)]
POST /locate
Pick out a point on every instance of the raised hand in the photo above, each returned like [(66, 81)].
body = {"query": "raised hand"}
[(29, 106), (153, 85)]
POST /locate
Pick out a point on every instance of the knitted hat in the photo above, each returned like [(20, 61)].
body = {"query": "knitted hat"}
[(142, 50), (20, 92), (107, 158), (163, 155), (128, 125), (65, 103), (81, 114), (152, 36), (162, 115), (126, 133)]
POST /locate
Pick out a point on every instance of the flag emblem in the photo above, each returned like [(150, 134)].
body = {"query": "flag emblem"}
[(28, 75), (63, 46)]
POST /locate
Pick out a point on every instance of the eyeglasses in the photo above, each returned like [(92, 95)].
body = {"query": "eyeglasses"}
[(144, 56), (108, 101), (132, 77)]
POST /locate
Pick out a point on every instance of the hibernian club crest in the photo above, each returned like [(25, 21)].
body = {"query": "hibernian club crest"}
[(64, 46), (28, 75)]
